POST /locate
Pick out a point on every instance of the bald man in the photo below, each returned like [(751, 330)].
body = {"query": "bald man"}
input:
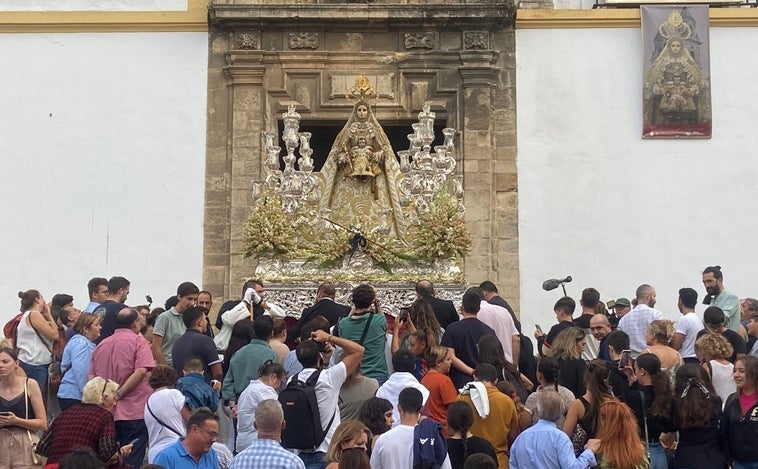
[(600, 327)]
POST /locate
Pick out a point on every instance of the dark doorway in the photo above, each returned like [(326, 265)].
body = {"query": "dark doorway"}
[(323, 134)]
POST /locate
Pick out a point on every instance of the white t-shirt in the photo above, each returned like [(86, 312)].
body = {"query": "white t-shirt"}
[(254, 393), (500, 320), (689, 325), (391, 388), (722, 380), (167, 405), (394, 449), (327, 393)]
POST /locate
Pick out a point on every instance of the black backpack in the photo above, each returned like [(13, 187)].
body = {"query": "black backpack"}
[(300, 405)]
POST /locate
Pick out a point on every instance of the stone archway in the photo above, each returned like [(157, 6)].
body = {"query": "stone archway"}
[(459, 57)]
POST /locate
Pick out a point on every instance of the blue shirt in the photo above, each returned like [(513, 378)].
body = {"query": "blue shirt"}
[(176, 457), (544, 446), (75, 365), (197, 392), (265, 453)]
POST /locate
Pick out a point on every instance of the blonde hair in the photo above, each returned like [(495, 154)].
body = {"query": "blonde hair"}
[(346, 431), (662, 331), (435, 355), (564, 346), (97, 388), (713, 346), (85, 320)]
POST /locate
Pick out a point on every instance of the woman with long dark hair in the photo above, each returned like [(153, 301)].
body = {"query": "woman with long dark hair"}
[(583, 417), (650, 398), (460, 442), (738, 424), (37, 332), (697, 411), (491, 351), (548, 375)]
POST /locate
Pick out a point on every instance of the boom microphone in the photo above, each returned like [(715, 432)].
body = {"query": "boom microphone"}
[(553, 283)]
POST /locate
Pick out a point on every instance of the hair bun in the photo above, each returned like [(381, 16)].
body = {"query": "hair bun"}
[(21, 294), (717, 267)]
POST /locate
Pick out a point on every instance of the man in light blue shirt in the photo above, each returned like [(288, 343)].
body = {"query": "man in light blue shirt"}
[(97, 288), (194, 450), (545, 446)]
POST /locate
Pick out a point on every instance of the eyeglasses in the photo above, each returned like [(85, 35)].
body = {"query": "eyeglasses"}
[(212, 435), (105, 386)]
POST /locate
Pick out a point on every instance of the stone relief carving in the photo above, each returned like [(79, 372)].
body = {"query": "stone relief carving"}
[(303, 41), (419, 40), (247, 40), (383, 83), (476, 40)]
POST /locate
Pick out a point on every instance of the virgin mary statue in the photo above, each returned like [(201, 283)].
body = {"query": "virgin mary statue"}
[(361, 174)]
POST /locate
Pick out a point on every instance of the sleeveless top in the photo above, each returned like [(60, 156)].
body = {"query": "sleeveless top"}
[(584, 421), (17, 405), (31, 349)]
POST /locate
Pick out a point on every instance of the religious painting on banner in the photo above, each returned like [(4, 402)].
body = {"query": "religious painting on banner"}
[(676, 95)]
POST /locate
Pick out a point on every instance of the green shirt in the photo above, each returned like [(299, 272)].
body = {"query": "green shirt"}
[(374, 363), (170, 326), (244, 366), (730, 305)]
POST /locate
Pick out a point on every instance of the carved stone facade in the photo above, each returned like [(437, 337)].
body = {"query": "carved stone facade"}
[(457, 56)]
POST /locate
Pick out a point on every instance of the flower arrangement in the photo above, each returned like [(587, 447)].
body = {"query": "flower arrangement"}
[(441, 232), (269, 230)]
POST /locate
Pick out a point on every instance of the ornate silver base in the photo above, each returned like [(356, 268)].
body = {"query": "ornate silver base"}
[(292, 284)]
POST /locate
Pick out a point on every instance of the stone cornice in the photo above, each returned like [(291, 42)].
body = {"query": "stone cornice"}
[(620, 18), (193, 19), (337, 17)]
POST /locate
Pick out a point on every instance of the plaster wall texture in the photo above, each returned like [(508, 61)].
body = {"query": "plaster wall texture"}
[(103, 150), (93, 5), (614, 211)]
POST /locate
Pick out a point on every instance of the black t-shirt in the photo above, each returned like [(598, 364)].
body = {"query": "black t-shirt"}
[(734, 339), (555, 330), (583, 321), (194, 344), (474, 445), (108, 312), (572, 375), (463, 336)]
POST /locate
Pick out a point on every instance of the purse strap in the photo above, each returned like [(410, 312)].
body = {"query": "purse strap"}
[(161, 422), (26, 403), (644, 418)]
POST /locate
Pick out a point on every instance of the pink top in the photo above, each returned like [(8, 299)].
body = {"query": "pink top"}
[(747, 401), (116, 358)]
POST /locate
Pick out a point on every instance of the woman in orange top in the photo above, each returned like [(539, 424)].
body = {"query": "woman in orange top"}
[(442, 391)]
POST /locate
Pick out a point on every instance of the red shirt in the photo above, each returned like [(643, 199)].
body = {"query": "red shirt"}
[(442, 393)]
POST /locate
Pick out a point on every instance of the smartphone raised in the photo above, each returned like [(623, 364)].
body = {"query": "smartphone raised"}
[(626, 359), (133, 442), (539, 329)]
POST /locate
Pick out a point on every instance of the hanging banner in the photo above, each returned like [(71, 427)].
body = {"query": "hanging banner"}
[(676, 91)]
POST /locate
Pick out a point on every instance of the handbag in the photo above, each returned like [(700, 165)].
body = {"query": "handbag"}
[(34, 440)]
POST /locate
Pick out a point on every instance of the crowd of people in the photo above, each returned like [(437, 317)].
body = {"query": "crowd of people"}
[(347, 386)]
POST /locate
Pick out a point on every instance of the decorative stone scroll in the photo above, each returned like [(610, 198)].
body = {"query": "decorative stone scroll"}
[(419, 40), (247, 40), (303, 41), (476, 40)]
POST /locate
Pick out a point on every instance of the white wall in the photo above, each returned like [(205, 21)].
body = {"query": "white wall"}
[(599, 203), (103, 149)]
